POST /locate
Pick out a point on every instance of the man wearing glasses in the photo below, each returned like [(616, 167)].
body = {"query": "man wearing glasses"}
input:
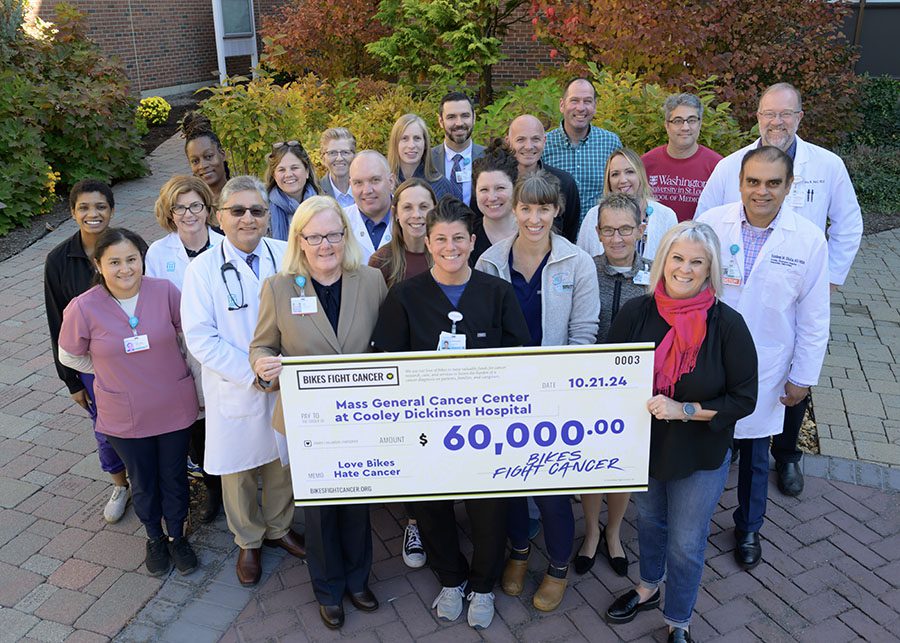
[(337, 145), (219, 309), (821, 192), (678, 171)]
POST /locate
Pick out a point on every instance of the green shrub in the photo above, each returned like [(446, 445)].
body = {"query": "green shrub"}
[(625, 105), (880, 111), (875, 172), (154, 110), (26, 179)]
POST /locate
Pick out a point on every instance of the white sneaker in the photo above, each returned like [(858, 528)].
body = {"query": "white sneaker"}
[(449, 602), (413, 552), (115, 507), (481, 609)]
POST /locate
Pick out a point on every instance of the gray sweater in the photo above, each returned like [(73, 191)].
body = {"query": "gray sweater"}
[(615, 289), (570, 304)]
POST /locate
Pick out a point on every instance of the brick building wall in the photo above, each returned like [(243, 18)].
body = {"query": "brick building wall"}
[(165, 44)]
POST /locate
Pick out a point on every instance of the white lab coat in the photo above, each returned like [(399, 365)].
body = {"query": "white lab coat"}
[(358, 230), (822, 192), (785, 302), (658, 223), (239, 434), (167, 258)]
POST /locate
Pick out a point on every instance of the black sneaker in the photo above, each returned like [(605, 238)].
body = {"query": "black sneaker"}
[(183, 555), (158, 561)]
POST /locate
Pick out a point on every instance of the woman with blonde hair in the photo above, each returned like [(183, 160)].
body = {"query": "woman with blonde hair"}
[(290, 179), (409, 154), (625, 174), (704, 381), (322, 265)]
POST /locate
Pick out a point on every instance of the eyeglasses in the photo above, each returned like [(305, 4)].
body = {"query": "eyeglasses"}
[(333, 238), (237, 211), (678, 121), (333, 154), (769, 115), (194, 208), (624, 231), (277, 146)]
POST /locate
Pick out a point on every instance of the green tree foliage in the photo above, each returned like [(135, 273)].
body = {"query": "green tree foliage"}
[(65, 114), (444, 41), (748, 45)]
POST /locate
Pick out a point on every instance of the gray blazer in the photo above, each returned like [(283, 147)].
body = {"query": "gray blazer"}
[(438, 156)]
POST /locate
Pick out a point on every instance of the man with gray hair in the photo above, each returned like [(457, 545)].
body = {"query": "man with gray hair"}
[(219, 309), (337, 145), (678, 171)]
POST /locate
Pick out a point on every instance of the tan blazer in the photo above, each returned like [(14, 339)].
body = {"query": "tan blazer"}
[(280, 332)]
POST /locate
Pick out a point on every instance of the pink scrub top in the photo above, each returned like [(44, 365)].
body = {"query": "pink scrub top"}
[(139, 394)]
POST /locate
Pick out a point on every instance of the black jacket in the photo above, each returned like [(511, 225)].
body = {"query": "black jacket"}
[(67, 273), (415, 312), (725, 380)]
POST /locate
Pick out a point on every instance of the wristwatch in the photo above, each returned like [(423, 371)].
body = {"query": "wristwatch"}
[(688, 409)]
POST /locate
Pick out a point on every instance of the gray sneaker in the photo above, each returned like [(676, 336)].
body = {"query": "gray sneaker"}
[(115, 506), (449, 602), (481, 609)]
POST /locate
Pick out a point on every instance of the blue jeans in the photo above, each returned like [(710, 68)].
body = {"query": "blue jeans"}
[(753, 483), (673, 525), (559, 526)]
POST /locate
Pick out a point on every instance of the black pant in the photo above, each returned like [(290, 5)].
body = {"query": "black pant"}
[(338, 550), (198, 445), (159, 484), (784, 445), (437, 526)]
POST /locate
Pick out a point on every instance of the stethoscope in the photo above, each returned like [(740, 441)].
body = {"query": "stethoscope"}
[(228, 266)]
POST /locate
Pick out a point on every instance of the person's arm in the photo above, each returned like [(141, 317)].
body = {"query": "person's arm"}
[(584, 318), (587, 235), (813, 316), (265, 347), (846, 226), (392, 330), (80, 363), (713, 193), (572, 213), (55, 302), (738, 354)]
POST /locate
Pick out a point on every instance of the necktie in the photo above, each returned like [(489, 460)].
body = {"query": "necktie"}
[(252, 264), (457, 168)]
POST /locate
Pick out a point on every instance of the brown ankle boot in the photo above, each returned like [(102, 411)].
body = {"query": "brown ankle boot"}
[(550, 593)]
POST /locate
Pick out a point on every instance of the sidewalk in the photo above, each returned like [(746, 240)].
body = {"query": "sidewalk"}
[(832, 558)]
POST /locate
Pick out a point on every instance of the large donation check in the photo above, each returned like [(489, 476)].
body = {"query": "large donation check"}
[(464, 424)]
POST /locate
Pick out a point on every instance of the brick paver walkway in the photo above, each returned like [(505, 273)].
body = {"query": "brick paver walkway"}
[(832, 558)]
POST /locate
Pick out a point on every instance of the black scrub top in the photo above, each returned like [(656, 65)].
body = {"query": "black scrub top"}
[(415, 311)]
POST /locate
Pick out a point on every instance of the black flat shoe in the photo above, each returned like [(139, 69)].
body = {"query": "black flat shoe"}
[(679, 635), (583, 564), (626, 607), (364, 601), (747, 551), (332, 616), (619, 564)]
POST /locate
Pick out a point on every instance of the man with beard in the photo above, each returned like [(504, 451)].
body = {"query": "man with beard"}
[(822, 193), (454, 157)]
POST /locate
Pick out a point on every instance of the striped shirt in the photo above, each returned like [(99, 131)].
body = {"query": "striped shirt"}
[(585, 161)]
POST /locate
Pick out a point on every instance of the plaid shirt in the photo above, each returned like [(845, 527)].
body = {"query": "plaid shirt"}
[(754, 239), (586, 161)]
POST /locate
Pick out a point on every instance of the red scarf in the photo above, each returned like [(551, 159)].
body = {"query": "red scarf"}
[(677, 352)]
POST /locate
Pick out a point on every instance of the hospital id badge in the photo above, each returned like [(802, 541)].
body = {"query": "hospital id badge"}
[(464, 176), (642, 278), (732, 275), (304, 305), (136, 344), (451, 342)]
